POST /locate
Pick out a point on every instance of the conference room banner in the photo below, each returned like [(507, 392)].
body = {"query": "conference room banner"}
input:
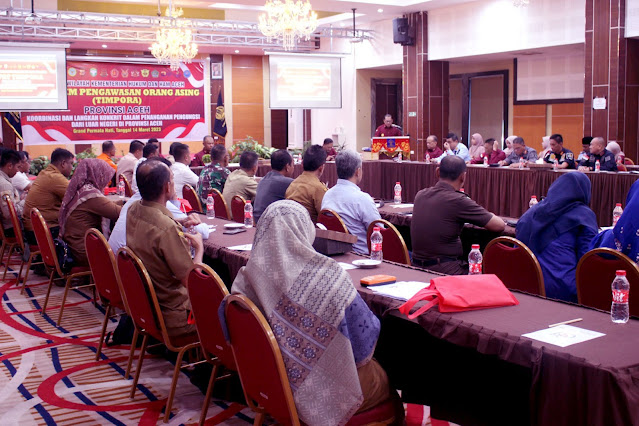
[(122, 102)]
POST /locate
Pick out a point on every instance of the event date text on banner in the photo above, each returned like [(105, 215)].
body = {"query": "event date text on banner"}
[(122, 102)]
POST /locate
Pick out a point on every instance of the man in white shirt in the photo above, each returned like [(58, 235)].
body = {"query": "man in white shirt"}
[(149, 151), (118, 235), (21, 181), (182, 173), (452, 146), (126, 165), (355, 207)]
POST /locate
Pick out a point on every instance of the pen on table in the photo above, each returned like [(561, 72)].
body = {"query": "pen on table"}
[(566, 322)]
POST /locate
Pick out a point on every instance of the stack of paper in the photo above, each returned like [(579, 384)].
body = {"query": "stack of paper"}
[(402, 290), (242, 247)]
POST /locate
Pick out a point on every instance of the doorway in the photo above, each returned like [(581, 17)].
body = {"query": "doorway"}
[(386, 98)]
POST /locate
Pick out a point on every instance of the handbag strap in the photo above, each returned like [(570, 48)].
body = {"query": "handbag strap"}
[(423, 294)]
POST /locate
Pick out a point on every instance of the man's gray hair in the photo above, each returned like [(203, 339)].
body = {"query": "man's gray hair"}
[(347, 162)]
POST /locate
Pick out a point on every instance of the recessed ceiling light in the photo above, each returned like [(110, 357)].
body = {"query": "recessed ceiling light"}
[(237, 51), (380, 10), (341, 24), (104, 46)]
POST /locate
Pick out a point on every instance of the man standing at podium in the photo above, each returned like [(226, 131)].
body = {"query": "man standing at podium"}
[(388, 129)]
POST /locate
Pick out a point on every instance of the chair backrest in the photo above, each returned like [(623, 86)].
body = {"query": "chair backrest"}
[(621, 168), (138, 295), (595, 272), (221, 208), (237, 208), (628, 162), (15, 220), (206, 292), (128, 192), (259, 360), (332, 221), (393, 244), (515, 265), (45, 241), (103, 267), (189, 194)]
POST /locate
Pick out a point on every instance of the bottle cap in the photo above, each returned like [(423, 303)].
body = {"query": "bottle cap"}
[(248, 201), (396, 183), (618, 205), (621, 272), (534, 196), (476, 247), (378, 229)]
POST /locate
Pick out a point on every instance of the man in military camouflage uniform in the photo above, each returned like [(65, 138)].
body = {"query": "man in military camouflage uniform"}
[(214, 175)]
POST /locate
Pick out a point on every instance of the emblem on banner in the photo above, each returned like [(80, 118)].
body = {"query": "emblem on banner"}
[(72, 72), (155, 73), (145, 73), (125, 73), (114, 73), (93, 72)]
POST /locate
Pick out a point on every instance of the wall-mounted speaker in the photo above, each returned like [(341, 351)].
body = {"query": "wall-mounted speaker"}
[(402, 33)]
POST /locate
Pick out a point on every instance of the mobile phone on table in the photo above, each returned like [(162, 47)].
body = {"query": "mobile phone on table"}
[(234, 231)]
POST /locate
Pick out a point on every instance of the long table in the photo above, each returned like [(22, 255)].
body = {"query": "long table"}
[(501, 190), (476, 368)]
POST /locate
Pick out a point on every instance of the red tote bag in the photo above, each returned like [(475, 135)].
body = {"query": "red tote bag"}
[(457, 293)]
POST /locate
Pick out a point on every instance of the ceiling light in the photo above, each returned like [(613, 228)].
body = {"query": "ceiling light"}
[(288, 20), (173, 39), (237, 51), (33, 19), (520, 3), (104, 46), (380, 10)]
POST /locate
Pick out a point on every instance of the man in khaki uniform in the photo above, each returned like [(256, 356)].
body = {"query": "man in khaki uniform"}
[(162, 245), (242, 181), (307, 189)]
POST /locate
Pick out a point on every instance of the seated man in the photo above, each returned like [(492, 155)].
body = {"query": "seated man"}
[(158, 240), (565, 158), (8, 169), (118, 235), (439, 215), (215, 174), (126, 165), (207, 145), (585, 149), (330, 151), (273, 186), (149, 151), (47, 193), (108, 152), (182, 173), (494, 155), (598, 152), (156, 142), (521, 154), (453, 147), (21, 181), (388, 129), (433, 151), (242, 181), (355, 207), (307, 189)]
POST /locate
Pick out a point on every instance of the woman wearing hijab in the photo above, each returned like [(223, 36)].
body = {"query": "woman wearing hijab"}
[(476, 149), (615, 148), (509, 145), (317, 317), (624, 237), (84, 205), (545, 144), (558, 230)]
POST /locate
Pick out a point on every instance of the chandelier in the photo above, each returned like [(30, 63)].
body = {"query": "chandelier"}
[(173, 40), (288, 20), (520, 3)]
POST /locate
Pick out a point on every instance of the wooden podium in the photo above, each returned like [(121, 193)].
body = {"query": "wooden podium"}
[(391, 145)]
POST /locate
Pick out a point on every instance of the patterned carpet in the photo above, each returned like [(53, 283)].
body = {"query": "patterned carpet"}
[(49, 376)]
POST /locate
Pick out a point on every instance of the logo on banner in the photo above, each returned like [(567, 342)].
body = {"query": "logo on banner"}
[(155, 74), (114, 73), (125, 73), (145, 73), (93, 72), (187, 73), (72, 72)]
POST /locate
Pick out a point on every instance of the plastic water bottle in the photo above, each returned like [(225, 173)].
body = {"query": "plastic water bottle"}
[(210, 207), (248, 214), (533, 201), (485, 161), (475, 260), (555, 165), (400, 157), (616, 213), (620, 294), (597, 166), (121, 189), (398, 193), (427, 158), (376, 244), (521, 163)]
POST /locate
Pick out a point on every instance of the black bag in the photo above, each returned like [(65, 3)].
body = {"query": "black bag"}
[(65, 260), (123, 333)]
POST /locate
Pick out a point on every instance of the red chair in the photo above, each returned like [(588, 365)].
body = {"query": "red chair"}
[(628, 162), (50, 259), (515, 265), (206, 292), (189, 194), (237, 208), (7, 243), (128, 192), (142, 305), (262, 371), (394, 246), (33, 249), (595, 272), (621, 168), (102, 263), (221, 208), (332, 221)]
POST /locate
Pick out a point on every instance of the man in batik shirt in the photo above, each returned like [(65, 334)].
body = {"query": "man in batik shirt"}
[(214, 175)]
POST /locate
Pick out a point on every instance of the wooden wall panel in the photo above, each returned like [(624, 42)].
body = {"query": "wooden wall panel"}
[(247, 85), (248, 98), (529, 122), (248, 120), (568, 120)]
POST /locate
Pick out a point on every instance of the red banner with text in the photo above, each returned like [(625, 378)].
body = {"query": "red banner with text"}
[(122, 102)]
